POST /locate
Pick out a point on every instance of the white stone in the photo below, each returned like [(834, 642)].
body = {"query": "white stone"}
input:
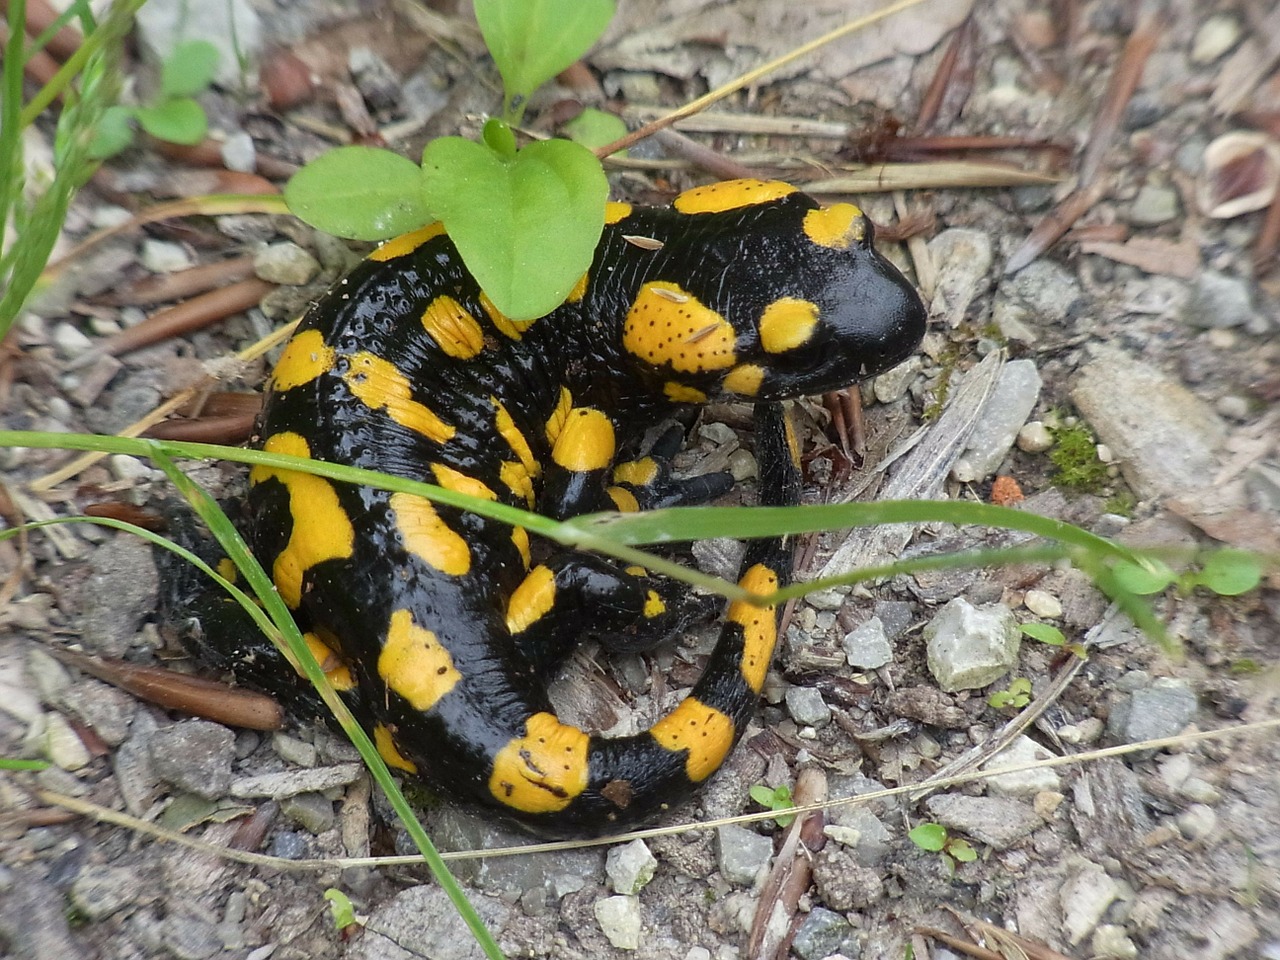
[(1034, 437), (1216, 36), (1085, 898), (69, 341), (1025, 783), (62, 745), (125, 467), (868, 647), (1043, 604), (630, 866), (970, 647), (164, 256), (619, 919)]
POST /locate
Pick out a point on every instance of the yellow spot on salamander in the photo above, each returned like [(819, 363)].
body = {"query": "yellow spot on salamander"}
[(544, 770), (555, 422), (428, 537), (638, 473), (414, 663), (586, 442), (459, 482), (407, 242), (227, 570), (744, 379), (530, 601), (501, 322), (379, 385), (787, 323), (636, 570), (516, 478), (321, 528), (453, 328), (337, 672), (520, 537), (759, 625), (683, 393), (730, 195), (666, 325), (515, 439), (392, 757), (614, 211), (624, 499), (836, 226), (653, 604), (579, 290), (702, 730), (304, 358)]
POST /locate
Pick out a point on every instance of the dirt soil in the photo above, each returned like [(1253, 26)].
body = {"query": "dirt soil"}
[(1148, 336)]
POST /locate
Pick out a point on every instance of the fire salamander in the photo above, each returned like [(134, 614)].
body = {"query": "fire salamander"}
[(440, 628)]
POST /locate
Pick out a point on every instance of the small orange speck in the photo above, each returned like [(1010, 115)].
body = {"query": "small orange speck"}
[(1005, 492)]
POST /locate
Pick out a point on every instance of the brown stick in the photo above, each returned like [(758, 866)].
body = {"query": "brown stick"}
[(1055, 223), (166, 287), (1123, 82), (177, 691), (196, 314)]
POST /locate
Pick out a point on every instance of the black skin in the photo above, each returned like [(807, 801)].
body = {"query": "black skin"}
[(735, 262)]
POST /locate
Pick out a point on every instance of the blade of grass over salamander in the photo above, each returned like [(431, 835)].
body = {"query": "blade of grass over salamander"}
[(578, 538), (238, 551), (612, 534)]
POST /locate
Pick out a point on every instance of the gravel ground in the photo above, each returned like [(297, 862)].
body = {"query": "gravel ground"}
[(1149, 335)]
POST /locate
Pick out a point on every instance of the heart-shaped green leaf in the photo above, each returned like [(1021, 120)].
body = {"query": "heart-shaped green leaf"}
[(180, 120), (533, 40), (189, 68), (359, 192), (1230, 573), (526, 226)]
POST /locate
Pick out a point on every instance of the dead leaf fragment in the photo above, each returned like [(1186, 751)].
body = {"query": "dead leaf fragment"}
[(1241, 174), (1150, 254)]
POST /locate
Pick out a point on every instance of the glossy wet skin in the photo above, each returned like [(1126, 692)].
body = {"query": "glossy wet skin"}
[(443, 628)]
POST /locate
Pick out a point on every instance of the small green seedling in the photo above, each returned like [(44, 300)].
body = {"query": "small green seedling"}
[(1054, 637), (525, 220), (1017, 695), (345, 919), (174, 115), (934, 838), (775, 798), (1225, 572)]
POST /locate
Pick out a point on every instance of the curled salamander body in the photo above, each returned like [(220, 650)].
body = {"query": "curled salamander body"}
[(441, 628)]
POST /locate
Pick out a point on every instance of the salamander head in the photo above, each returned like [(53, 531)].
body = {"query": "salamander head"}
[(852, 316), (776, 299)]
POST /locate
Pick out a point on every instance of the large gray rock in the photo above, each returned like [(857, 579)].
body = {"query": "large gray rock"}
[(1166, 439)]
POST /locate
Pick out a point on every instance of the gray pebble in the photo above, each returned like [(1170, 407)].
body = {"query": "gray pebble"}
[(100, 891), (970, 647), (288, 845), (1219, 302), (1034, 437), (194, 756), (311, 811), (630, 866), (741, 853), (806, 706), (821, 934), (868, 647), (1197, 821), (998, 822), (1160, 710), (285, 262), (1154, 205), (619, 919)]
